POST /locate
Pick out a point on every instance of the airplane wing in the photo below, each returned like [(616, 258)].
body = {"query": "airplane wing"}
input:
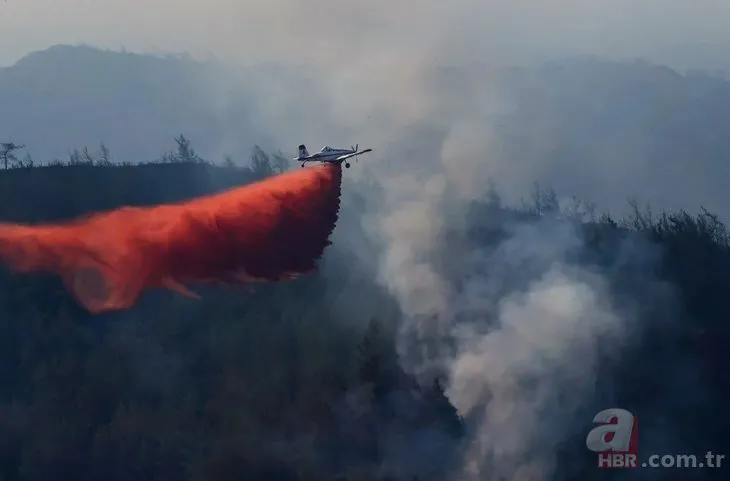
[(347, 156)]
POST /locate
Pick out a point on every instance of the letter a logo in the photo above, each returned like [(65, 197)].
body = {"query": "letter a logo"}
[(616, 431)]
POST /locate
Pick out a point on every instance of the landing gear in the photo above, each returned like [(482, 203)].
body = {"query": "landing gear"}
[(347, 165)]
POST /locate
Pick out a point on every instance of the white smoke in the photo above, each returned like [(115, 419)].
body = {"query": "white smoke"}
[(531, 374), (515, 327)]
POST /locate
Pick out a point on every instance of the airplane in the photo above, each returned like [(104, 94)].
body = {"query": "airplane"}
[(328, 154)]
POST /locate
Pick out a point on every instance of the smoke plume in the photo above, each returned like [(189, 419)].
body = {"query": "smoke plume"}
[(517, 328)]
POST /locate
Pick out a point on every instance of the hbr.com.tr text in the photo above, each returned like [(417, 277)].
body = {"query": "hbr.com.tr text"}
[(625, 460)]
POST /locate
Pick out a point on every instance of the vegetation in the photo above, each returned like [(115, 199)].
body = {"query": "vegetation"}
[(280, 384), (181, 390)]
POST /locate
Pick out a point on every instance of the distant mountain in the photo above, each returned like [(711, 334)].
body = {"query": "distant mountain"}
[(603, 130), (607, 130), (67, 97)]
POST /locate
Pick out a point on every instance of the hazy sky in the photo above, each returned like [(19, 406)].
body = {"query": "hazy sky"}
[(377, 84), (320, 30)]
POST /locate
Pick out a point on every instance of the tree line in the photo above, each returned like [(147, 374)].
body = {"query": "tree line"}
[(12, 156)]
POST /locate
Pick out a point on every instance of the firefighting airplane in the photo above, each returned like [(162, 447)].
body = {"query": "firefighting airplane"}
[(328, 154)]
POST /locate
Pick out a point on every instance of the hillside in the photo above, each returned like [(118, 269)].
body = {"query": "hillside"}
[(198, 370), (284, 384)]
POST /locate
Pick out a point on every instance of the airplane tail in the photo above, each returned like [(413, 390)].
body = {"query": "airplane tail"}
[(303, 151)]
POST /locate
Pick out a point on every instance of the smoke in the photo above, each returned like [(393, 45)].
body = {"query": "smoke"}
[(513, 327), (528, 377), (517, 328)]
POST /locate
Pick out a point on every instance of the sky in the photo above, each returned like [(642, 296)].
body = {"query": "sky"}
[(380, 54), (320, 31)]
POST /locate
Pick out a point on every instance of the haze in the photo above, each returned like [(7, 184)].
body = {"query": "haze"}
[(321, 31), (414, 80)]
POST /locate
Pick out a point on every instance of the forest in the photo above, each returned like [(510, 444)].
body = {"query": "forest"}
[(289, 383)]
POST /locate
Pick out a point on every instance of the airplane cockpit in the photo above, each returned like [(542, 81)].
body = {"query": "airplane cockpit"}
[(326, 148)]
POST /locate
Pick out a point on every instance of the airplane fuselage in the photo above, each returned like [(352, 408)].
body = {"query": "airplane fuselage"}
[(328, 154)]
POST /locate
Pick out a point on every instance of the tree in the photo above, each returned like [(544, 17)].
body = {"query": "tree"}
[(374, 366), (6, 153), (87, 157), (26, 161), (280, 162), (261, 162), (104, 157), (640, 219), (228, 162), (494, 200), (185, 153), (542, 202), (75, 157)]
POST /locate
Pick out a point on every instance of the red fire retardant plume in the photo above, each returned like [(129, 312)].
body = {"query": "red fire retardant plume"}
[(270, 230)]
